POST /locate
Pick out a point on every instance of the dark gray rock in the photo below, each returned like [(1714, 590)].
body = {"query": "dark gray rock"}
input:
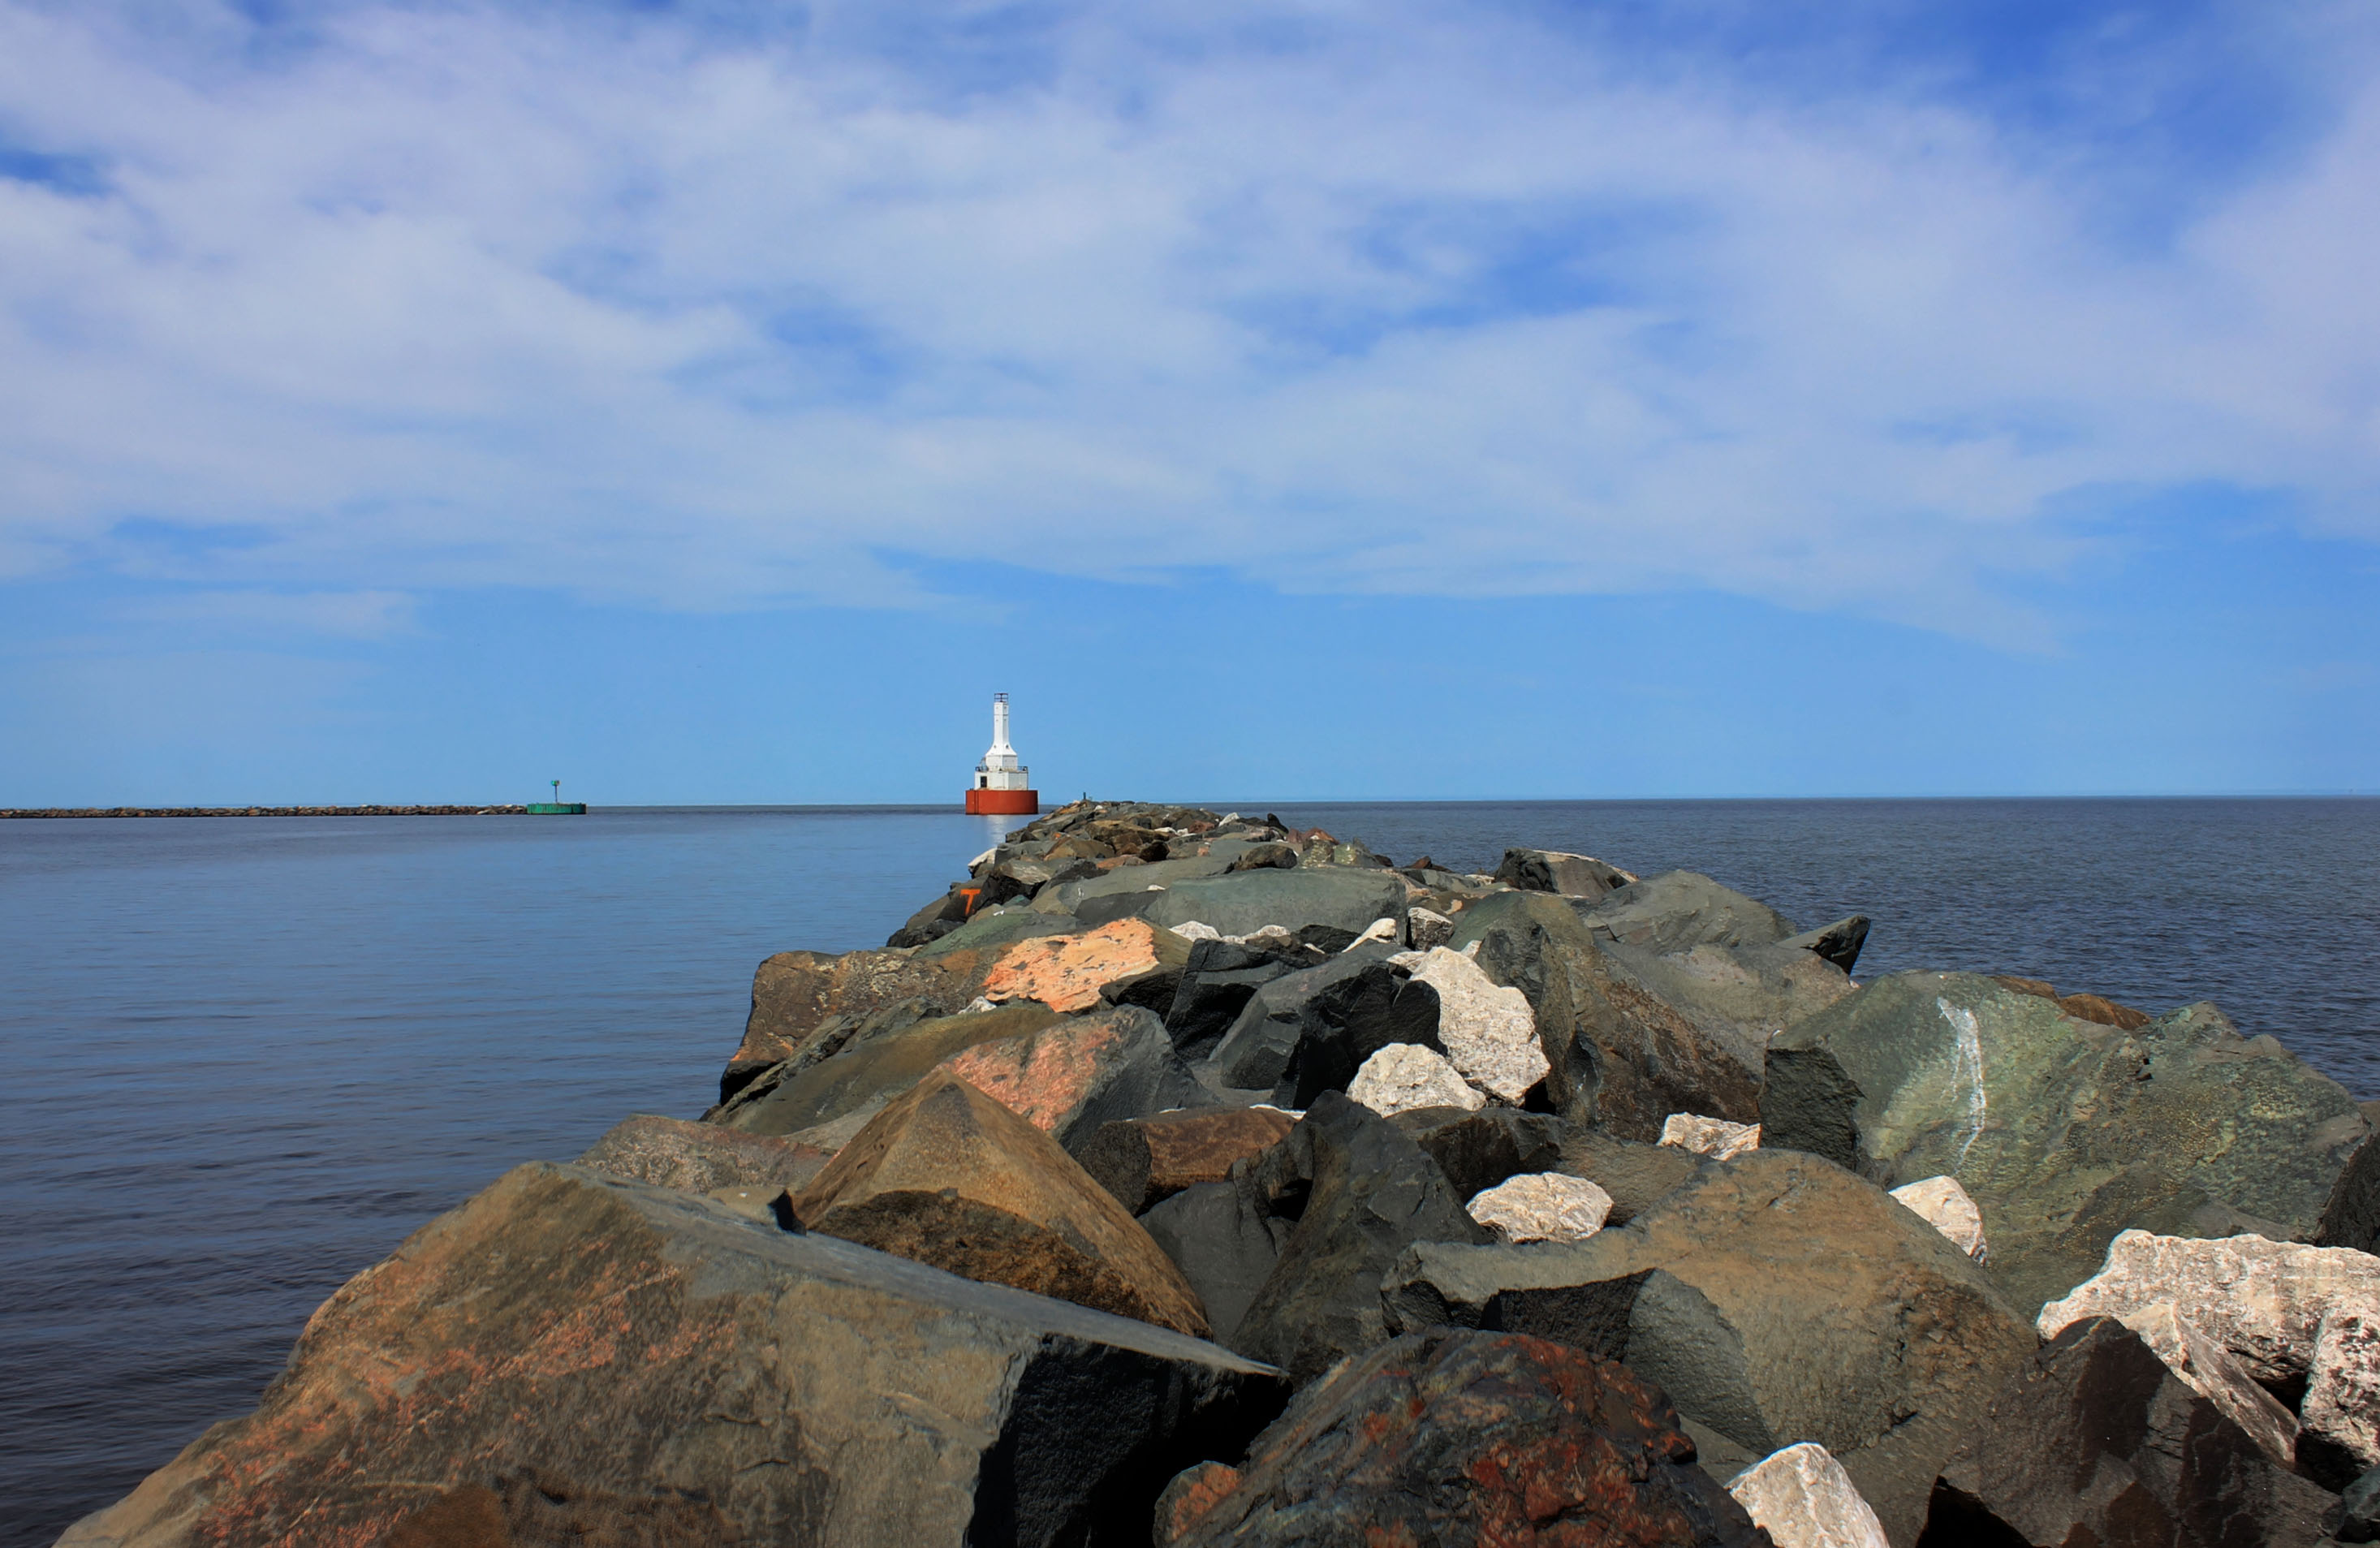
[(856, 1083), (637, 1344), (1776, 1298), (806, 1005), (1217, 983), (1636, 1174), (994, 927), (1839, 942), (1463, 1438), (1738, 996), (699, 1158), (1309, 1032), (1679, 909), (939, 917), (1622, 1056), (1359, 1192), (1225, 1241), (1551, 871), (2063, 1131), (1478, 1149), (1242, 903), (2093, 1441), (1126, 886), (2356, 1517)]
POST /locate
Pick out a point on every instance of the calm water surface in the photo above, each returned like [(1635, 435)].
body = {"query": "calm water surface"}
[(241, 1058)]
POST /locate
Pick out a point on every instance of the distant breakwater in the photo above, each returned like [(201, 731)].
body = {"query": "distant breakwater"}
[(513, 811)]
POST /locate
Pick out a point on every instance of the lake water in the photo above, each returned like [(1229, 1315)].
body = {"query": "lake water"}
[(241, 1058)]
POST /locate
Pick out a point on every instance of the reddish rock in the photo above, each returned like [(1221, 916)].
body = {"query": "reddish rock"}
[(1070, 1075), (644, 1356), (1142, 1160), (802, 999), (1066, 972), (701, 1158), (2083, 1008), (947, 1175), (1464, 1437)]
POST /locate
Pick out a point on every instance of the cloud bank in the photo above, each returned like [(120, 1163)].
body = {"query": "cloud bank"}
[(695, 312)]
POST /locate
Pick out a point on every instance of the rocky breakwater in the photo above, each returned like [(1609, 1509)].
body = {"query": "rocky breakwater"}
[(1186, 1179)]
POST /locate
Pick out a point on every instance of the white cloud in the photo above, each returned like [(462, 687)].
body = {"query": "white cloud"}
[(1423, 301)]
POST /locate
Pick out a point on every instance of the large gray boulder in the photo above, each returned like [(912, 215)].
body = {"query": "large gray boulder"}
[(1244, 902), (1554, 870), (2063, 1131), (1622, 1056), (1776, 1298), (1126, 881), (2093, 1439), (639, 1348), (1680, 909), (861, 1080), (1310, 1031), (1359, 1192), (1738, 996), (1217, 983), (992, 930)]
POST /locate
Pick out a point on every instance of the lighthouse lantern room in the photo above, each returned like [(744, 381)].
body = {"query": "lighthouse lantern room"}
[(1003, 785)]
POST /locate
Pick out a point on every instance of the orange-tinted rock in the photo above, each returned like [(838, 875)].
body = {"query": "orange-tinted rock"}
[(1143, 1160), (1071, 1075), (700, 1158), (2083, 1008), (1066, 972), (804, 999), (947, 1175), (1464, 1437), (653, 1368)]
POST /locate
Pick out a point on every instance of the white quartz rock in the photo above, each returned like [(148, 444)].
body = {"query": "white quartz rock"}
[(2263, 1300), (1542, 1206), (1405, 1075), (1489, 1031), (1805, 1500), (1944, 1205), (1715, 1138)]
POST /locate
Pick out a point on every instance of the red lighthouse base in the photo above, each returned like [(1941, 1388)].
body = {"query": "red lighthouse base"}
[(1003, 803)]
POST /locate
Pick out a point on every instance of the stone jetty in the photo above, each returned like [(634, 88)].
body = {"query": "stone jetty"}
[(1182, 1178)]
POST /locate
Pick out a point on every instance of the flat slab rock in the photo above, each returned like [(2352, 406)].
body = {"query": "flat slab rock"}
[(1464, 1438), (700, 1158), (637, 1344), (1066, 972)]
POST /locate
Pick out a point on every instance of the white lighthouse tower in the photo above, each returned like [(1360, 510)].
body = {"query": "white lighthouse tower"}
[(1003, 785)]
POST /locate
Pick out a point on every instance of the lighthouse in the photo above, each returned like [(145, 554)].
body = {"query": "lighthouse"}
[(1003, 785)]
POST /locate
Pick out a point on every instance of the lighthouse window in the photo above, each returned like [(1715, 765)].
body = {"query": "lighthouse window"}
[(983, 781)]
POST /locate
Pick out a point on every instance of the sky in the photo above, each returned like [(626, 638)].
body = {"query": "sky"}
[(718, 402)]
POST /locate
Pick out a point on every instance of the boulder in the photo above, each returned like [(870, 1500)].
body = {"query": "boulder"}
[(1637, 1176), (1405, 1077), (1802, 1498), (1426, 928), (1943, 1204), (2341, 1438), (2356, 1517), (1125, 890), (939, 917), (1068, 972), (806, 1003), (1464, 1438), (532, 1508), (1225, 1239), (1715, 1138), (641, 1344), (1776, 1298), (1143, 1160), (1309, 1032), (1344, 899), (1553, 871), (2093, 1441), (2083, 1008), (1542, 1206), (946, 1175), (1487, 1030), (1072, 1075), (1620, 1055), (1479, 1148), (2215, 1374), (1839, 942), (1218, 980), (991, 931), (2263, 1300), (700, 1158), (1738, 996), (1359, 1192), (1680, 909), (794, 1099), (2064, 1132)]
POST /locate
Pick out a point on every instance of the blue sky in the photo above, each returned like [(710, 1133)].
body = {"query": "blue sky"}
[(717, 402)]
